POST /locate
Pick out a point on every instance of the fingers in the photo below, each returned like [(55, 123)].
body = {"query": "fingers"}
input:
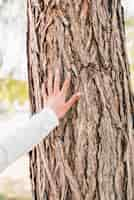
[(44, 94), (66, 84), (57, 81), (72, 101), (50, 81)]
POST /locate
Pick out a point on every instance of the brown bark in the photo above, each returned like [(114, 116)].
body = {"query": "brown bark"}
[(89, 156)]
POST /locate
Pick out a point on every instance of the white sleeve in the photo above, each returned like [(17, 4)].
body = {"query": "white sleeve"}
[(24, 137)]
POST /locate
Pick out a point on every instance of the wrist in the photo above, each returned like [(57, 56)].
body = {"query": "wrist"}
[(52, 113)]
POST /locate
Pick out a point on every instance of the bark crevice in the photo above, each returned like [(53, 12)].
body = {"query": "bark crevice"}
[(89, 156)]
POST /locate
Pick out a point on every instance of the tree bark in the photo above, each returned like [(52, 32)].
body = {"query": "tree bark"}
[(90, 155)]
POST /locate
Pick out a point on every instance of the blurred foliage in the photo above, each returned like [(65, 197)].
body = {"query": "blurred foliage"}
[(132, 67), (130, 22), (11, 90), (2, 197)]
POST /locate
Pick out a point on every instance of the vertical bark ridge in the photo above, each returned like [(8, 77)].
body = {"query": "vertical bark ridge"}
[(89, 156)]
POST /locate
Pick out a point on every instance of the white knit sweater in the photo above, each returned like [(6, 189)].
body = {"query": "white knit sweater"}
[(22, 139)]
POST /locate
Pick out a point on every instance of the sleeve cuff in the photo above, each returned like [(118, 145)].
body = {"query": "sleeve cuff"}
[(52, 114)]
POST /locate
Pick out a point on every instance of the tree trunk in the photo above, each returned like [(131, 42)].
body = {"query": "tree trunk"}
[(89, 156)]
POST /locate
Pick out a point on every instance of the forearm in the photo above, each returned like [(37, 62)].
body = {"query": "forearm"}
[(22, 140)]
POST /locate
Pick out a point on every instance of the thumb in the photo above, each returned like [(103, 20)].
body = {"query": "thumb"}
[(72, 100)]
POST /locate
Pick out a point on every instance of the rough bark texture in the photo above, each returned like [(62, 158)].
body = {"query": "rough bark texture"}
[(89, 156)]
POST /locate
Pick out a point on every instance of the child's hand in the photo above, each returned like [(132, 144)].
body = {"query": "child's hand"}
[(56, 97)]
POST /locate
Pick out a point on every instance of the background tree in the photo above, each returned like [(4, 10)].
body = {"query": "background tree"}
[(89, 156)]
